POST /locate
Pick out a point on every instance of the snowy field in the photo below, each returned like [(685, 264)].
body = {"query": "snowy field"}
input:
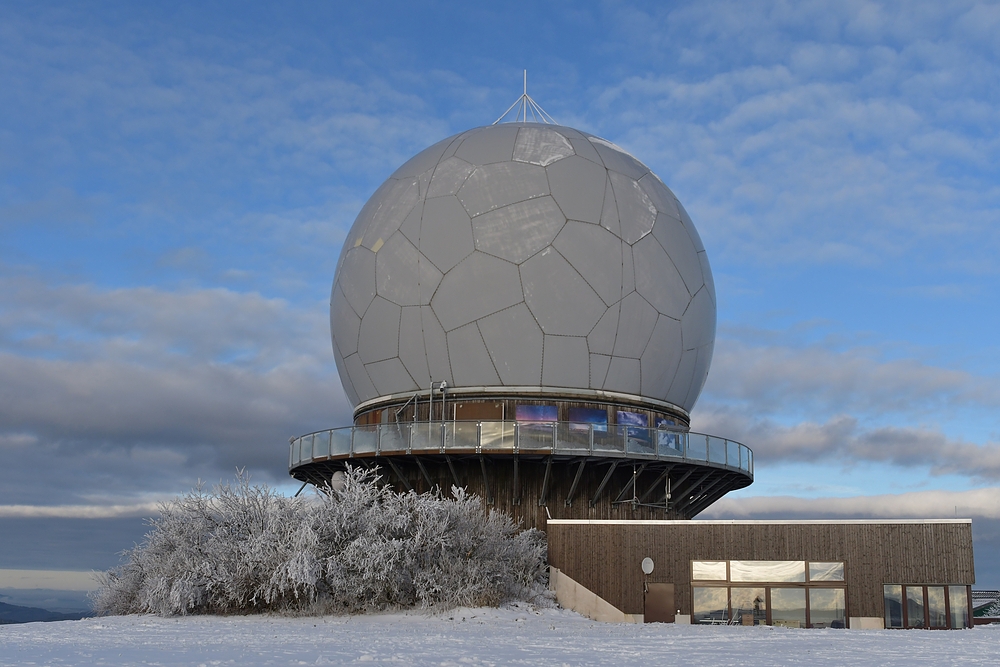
[(516, 636)]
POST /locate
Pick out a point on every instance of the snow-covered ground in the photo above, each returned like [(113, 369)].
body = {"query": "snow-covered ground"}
[(515, 636)]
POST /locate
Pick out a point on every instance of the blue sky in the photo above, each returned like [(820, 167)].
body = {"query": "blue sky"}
[(176, 181)]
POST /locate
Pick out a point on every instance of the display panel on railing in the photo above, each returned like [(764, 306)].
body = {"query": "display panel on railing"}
[(581, 419), (537, 413), (634, 428), (668, 442)]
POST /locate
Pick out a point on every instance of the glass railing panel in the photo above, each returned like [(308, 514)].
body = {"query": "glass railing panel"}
[(461, 435), (697, 446), (608, 442), (340, 441), (307, 448), (638, 440), (425, 436), (321, 445), (669, 443), (535, 436), (716, 450), (573, 437), (732, 453), (365, 439), (393, 437), (292, 456), (750, 458), (497, 435)]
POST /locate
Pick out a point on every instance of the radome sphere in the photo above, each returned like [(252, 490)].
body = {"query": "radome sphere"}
[(524, 255)]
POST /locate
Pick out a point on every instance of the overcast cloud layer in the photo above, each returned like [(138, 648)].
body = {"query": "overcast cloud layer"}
[(175, 185)]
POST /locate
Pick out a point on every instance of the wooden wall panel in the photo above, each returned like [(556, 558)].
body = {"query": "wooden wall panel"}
[(606, 557)]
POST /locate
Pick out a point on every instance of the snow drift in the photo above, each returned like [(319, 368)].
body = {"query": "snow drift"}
[(243, 548)]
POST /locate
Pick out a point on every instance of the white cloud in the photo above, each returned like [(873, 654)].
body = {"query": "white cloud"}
[(78, 511), (984, 503), (62, 580)]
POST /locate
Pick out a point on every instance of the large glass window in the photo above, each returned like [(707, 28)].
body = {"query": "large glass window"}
[(893, 598), (914, 606), (958, 601), (749, 605), (937, 613), (708, 570), (919, 606), (788, 607), (711, 605), (767, 570), (827, 608), (826, 571)]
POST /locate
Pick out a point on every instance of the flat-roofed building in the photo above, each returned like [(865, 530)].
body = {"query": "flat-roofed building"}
[(835, 574)]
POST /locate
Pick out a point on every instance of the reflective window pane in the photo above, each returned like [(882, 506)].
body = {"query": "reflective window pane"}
[(710, 605), (767, 570), (958, 600), (914, 606), (788, 607), (893, 596), (749, 606), (827, 608), (826, 571), (936, 611), (708, 570)]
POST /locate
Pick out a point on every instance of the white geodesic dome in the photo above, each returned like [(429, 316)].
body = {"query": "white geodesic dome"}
[(524, 255)]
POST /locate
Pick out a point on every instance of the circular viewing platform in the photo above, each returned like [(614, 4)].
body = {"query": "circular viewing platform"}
[(569, 469)]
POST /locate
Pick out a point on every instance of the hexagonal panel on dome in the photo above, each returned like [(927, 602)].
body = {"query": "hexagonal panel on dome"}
[(449, 176), (565, 362), (445, 232), (624, 375), (379, 337), (389, 375), (558, 296), (398, 202), (635, 325), (676, 242), (514, 342), (403, 275), (496, 185), (524, 254), (578, 186), (616, 158), (587, 247), (541, 146), (479, 286), (661, 357), (488, 145), (636, 212), (471, 365), (358, 273), (344, 322), (518, 231), (657, 280)]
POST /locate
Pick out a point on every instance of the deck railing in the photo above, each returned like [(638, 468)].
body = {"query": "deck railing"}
[(499, 437)]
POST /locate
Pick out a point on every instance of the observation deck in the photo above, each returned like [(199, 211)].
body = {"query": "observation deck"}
[(568, 469)]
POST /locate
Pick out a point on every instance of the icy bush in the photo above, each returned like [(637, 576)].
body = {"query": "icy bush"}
[(243, 549)]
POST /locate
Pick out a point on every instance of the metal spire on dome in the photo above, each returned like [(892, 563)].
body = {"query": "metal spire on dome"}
[(525, 105)]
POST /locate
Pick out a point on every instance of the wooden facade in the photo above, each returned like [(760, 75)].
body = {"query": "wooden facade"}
[(605, 556)]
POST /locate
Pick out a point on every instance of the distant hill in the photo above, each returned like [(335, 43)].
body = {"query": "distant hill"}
[(11, 613)]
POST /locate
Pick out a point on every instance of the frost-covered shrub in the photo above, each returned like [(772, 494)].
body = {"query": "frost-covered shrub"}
[(244, 549)]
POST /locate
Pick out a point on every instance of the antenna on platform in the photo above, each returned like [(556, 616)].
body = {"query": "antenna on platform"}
[(526, 106)]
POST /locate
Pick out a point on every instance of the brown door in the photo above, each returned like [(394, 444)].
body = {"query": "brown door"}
[(659, 606)]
